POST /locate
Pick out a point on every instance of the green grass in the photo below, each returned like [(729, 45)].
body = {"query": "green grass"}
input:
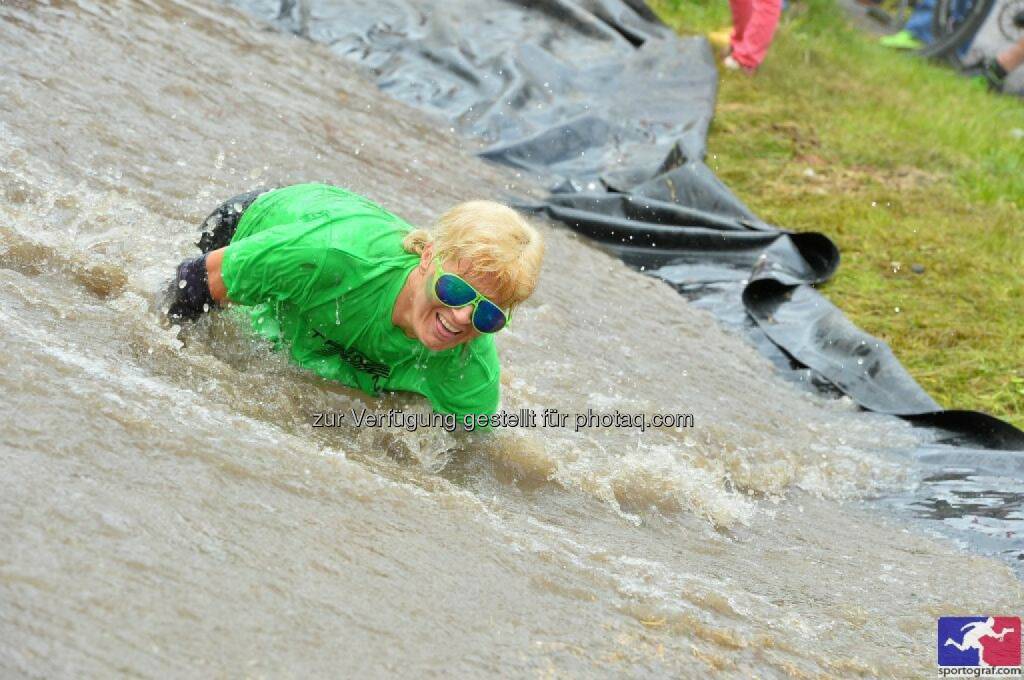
[(901, 163)]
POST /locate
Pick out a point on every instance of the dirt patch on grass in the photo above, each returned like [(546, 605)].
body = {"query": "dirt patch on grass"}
[(812, 174)]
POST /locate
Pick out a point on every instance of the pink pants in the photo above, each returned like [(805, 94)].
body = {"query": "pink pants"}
[(753, 25)]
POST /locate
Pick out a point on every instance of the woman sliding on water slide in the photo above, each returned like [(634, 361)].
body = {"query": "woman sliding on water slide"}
[(361, 297)]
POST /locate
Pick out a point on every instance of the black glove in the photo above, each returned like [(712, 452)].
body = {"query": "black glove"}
[(188, 295)]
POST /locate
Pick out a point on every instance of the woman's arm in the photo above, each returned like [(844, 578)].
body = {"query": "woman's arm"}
[(275, 265), (218, 291)]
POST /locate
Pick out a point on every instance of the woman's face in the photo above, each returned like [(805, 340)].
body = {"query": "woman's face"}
[(436, 325)]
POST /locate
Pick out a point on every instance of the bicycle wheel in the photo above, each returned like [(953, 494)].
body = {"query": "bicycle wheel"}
[(1011, 20), (954, 23)]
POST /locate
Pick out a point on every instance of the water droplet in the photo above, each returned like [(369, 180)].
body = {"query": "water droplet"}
[(181, 283)]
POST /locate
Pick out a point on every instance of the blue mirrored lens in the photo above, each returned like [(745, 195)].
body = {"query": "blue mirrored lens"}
[(488, 317), (453, 291)]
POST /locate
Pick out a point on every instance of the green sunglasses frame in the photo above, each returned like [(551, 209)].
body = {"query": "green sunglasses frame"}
[(439, 272)]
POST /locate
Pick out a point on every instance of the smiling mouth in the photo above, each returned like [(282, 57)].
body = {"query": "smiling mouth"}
[(446, 328)]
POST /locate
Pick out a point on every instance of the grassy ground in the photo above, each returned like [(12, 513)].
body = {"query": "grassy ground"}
[(905, 165)]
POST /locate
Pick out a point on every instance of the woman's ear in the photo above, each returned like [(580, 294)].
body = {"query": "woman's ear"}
[(427, 256)]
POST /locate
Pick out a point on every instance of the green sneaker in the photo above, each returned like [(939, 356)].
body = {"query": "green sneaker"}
[(902, 40)]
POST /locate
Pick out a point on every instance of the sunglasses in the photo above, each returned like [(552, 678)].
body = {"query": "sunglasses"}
[(451, 290)]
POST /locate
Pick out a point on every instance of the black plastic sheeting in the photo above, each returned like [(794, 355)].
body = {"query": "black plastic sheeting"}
[(610, 109)]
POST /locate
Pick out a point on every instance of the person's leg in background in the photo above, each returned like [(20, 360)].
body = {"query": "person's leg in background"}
[(741, 11), (1005, 62), (1012, 56), (754, 24), (916, 33), (919, 25)]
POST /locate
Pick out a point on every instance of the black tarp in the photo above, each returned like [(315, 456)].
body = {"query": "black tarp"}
[(609, 108)]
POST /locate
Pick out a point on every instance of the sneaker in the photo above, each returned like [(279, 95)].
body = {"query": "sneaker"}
[(903, 40), (731, 64)]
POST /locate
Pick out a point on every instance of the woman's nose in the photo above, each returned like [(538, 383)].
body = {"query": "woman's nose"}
[(463, 315)]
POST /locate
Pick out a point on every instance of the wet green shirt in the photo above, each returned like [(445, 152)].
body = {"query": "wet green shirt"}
[(322, 268)]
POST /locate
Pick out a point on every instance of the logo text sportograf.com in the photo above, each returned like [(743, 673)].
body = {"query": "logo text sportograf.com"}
[(979, 646)]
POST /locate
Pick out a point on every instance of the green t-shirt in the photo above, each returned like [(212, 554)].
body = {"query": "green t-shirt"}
[(322, 268)]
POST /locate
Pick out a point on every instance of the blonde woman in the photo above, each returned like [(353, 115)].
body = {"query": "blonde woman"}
[(361, 297)]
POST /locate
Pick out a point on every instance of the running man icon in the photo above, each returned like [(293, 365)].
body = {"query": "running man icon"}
[(979, 641), (976, 630)]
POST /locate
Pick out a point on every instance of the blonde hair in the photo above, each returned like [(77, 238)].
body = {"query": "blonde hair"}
[(495, 238)]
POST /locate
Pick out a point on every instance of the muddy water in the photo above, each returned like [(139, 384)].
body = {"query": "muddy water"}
[(167, 508)]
